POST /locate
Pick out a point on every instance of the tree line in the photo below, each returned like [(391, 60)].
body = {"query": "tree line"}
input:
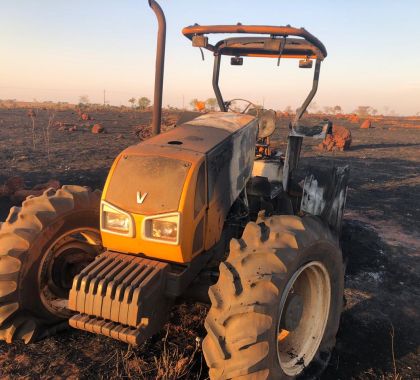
[(210, 104)]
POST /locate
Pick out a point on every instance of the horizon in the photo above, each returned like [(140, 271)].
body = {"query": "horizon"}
[(61, 51), (362, 112)]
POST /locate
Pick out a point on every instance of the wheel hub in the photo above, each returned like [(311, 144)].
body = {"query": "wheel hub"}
[(304, 310), (68, 262), (292, 312), (62, 261)]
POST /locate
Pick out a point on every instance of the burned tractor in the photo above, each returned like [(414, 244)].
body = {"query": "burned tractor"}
[(208, 211)]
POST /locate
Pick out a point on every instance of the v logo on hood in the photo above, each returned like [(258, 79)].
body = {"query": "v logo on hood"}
[(141, 198)]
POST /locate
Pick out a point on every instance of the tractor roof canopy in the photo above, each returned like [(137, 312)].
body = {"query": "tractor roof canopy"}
[(266, 41), (270, 42)]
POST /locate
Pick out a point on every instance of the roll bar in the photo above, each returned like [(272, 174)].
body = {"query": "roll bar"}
[(273, 31), (307, 47), (300, 111)]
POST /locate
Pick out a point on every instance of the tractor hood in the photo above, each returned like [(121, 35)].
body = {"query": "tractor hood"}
[(167, 197), (151, 184), (148, 178)]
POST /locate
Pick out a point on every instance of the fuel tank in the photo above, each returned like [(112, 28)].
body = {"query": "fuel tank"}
[(168, 197)]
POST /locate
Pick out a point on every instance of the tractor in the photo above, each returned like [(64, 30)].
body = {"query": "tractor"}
[(208, 211)]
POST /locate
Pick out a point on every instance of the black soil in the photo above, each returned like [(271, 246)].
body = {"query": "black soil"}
[(379, 335)]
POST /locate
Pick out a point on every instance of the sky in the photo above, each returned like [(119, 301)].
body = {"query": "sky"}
[(60, 50)]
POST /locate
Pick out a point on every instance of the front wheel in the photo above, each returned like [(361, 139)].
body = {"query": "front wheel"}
[(43, 245), (276, 306)]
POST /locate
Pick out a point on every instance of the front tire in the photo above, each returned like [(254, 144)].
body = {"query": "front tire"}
[(43, 245), (276, 306)]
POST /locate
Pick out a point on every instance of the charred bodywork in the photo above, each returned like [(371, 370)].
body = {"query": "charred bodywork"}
[(205, 164)]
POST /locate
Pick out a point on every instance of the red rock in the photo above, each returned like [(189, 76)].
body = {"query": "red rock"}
[(98, 128), (366, 124), (340, 139), (354, 118)]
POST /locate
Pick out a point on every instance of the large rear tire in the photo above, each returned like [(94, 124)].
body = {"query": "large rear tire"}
[(43, 245), (277, 303)]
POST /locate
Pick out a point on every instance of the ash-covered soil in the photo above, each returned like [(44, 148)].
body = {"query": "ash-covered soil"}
[(379, 335)]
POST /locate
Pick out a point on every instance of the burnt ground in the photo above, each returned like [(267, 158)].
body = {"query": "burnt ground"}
[(379, 335)]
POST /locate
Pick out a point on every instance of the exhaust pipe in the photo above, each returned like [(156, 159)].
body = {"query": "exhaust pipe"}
[(160, 62)]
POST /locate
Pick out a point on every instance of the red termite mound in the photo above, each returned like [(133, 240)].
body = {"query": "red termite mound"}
[(340, 139)]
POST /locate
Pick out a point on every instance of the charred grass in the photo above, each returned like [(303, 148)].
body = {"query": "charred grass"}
[(379, 334)]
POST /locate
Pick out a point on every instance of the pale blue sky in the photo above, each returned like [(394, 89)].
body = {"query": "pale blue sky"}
[(59, 50)]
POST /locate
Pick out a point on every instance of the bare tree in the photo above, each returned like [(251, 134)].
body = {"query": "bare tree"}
[(143, 103), (32, 115), (193, 103), (132, 101), (211, 103), (84, 100), (46, 133), (288, 109), (364, 111), (329, 110)]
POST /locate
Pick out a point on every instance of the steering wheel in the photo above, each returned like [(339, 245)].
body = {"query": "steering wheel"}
[(229, 103)]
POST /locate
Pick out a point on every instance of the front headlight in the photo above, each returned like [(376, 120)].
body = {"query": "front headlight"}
[(164, 228), (116, 221)]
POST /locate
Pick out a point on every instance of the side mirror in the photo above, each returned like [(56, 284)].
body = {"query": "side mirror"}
[(305, 64), (236, 61)]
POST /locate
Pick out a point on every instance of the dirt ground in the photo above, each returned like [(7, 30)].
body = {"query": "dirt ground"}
[(379, 335)]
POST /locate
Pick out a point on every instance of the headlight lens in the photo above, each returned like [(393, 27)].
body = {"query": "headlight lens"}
[(163, 228), (116, 221)]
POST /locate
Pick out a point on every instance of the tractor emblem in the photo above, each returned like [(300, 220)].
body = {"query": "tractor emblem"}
[(141, 198)]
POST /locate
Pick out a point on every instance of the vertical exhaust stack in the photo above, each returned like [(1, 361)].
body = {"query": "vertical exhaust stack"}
[(160, 65)]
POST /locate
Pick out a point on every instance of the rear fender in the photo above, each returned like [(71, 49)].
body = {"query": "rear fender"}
[(325, 196)]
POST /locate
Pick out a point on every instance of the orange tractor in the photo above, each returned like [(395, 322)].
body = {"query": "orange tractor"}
[(208, 210)]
